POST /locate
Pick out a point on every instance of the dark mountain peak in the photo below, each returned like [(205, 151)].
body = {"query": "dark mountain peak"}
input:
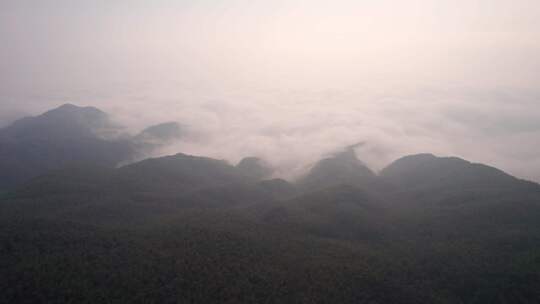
[(161, 133), (57, 138), (76, 113), (418, 157), (180, 158), (254, 167), (341, 168), (249, 160), (427, 171), (67, 120), (345, 161), (180, 172), (69, 107), (424, 161), (348, 155)]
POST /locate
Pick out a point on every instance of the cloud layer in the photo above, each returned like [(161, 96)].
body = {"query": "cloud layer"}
[(290, 81)]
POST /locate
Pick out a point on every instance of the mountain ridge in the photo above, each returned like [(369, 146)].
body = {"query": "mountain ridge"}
[(194, 229)]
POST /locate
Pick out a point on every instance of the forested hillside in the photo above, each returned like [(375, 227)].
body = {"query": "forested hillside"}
[(186, 229)]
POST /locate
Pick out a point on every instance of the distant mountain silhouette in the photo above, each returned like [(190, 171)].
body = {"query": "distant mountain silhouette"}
[(61, 137), (343, 168), (451, 181), (254, 168), (160, 134), (153, 138), (73, 136), (180, 172), (426, 171), (66, 121)]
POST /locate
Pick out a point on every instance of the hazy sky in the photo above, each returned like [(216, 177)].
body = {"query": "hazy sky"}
[(290, 80)]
